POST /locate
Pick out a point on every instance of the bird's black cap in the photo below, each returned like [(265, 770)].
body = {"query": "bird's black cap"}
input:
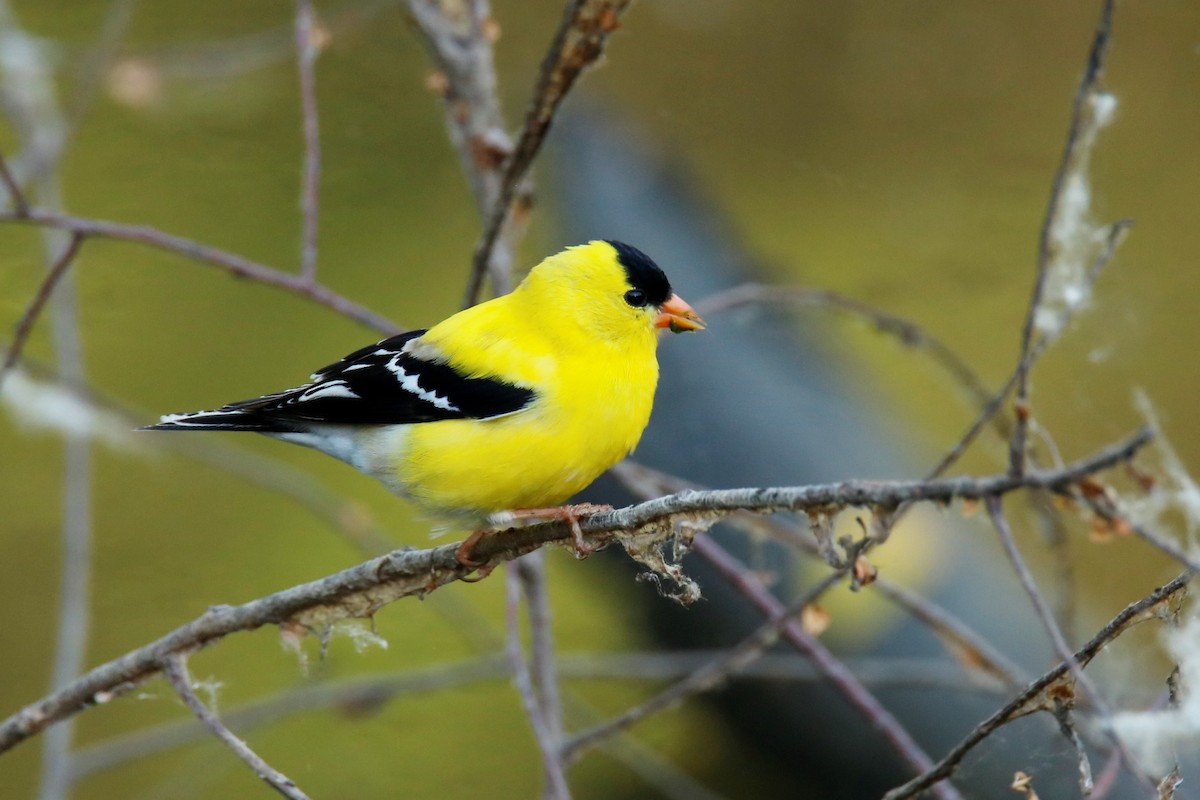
[(642, 272)]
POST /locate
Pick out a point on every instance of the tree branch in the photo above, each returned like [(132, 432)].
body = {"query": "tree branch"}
[(25, 325), (372, 691), (1038, 696), (969, 647), (543, 667), (903, 330), (19, 203), (363, 589), (531, 700), (307, 50), (175, 669), (705, 678), (831, 667), (577, 44), (459, 38), (1084, 124), (1062, 649), (236, 265)]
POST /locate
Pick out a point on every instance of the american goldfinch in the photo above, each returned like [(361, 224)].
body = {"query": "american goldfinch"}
[(510, 405)]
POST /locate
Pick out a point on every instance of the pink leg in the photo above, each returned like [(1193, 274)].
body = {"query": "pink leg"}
[(568, 514), (465, 552)]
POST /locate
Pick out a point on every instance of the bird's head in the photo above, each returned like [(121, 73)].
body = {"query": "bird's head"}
[(611, 290)]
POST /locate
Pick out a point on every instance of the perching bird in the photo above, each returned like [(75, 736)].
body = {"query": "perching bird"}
[(509, 406)]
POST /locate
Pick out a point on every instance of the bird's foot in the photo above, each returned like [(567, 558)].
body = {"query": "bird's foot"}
[(465, 553), (569, 514)]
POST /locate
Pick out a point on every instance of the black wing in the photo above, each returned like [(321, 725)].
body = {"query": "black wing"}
[(379, 384)]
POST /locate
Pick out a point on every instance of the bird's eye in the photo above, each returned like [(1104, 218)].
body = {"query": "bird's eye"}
[(635, 298)]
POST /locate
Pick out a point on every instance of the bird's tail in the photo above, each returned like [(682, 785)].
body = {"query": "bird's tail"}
[(225, 419)]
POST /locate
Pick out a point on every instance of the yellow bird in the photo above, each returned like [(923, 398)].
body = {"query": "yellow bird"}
[(504, 409)]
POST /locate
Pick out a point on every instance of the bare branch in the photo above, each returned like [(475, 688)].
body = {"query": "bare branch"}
[(307, 50), (707, 677), (905, 331), (531, 574), (25, 325), (552, 762), (1066, 725), (363, 589), (1038, 696), (577, 44), (1116, 234), (374, 690), (175, 668), (1061, 647), (236, 265), (986, 415), (1040, 606), (31, 103), (968, 646), (1084, 123), (834, 670), (19, 203), (459, 38), (971, 649)]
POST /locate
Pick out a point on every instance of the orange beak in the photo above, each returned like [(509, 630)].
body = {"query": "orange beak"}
[(678, 316)]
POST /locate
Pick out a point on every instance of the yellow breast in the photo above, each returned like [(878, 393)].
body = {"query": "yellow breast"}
[(537, 457), (569, 334)]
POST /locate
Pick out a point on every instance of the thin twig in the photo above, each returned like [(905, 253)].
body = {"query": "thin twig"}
[(175, 669), (363, 589), (236, 265), (1082, 120), (986, 415), (966, 644), (74, 608), (25, 325), (1116, 234), (577, 44), (307, 50), (1058, 548), (31, 103), (1038, 695), (19, 203), (373, 691), (707, 677), (834, 670), (1066, 725), (971, 648), (531, 573), (552, 763), (459, 37), (905, 331), (1046, 616)]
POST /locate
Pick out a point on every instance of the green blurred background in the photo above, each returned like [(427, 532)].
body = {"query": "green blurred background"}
[(900, 153)]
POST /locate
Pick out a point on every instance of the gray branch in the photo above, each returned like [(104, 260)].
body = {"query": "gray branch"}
[(364, 589)]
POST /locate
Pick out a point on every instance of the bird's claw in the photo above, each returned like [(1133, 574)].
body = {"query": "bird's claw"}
[(464, 554)]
